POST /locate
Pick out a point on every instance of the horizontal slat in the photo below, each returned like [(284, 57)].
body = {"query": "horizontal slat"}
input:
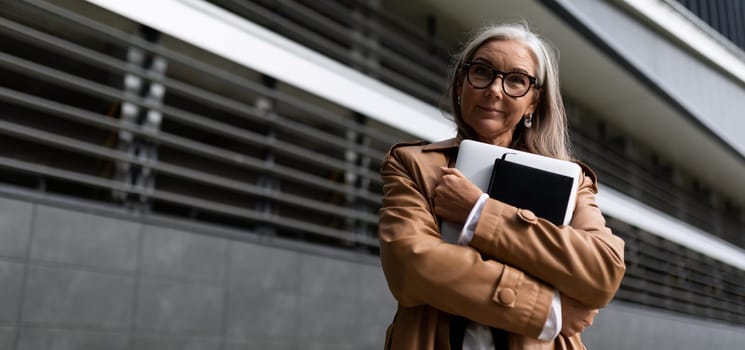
[(663, 271), (628, 176), (306, 35), (211, 152), (408, 40), (240, 109), (210, 206), (401, 25), (109, 34), (224, 130), (179, 171)]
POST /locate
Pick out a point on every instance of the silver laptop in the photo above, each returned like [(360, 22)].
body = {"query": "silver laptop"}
[(476, 161)]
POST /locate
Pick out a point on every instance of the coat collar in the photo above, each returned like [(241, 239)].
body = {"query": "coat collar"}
[(442, 145)]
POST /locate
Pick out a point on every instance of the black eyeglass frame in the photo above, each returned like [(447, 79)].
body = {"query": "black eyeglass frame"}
[(533, 80)]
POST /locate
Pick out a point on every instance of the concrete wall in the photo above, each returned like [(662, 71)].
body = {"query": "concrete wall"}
[(75, 280), (624, 326)]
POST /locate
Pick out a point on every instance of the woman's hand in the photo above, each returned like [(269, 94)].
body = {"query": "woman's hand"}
[(575, 317), (455, 196)]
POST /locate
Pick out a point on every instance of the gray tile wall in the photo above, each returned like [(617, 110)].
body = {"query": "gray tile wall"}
[(78, 281), (7, 336), (15, 227), (74, 280), (67, 297), (66, 237), (178, 307), (178, 254), (11, 280), (631, 327), (70, 339)]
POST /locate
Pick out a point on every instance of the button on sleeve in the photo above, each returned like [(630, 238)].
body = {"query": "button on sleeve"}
[(527, 216), (507, 296)]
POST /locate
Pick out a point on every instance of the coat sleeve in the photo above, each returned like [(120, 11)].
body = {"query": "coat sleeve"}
[(583, 260), (422, 269)]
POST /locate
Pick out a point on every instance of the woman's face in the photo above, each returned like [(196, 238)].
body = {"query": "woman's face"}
[(490, 112)]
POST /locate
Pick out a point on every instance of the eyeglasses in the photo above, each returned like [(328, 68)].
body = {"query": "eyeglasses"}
[(514, 84)]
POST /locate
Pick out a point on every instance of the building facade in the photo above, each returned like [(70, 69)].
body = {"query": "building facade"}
[(205, 174)]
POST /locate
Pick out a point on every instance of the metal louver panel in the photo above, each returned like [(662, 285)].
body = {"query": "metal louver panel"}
[(180, 133)]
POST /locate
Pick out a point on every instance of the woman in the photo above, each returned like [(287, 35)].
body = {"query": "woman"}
[(516, 281)]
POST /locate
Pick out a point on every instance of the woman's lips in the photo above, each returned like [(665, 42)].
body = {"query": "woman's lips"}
[(489, 109)]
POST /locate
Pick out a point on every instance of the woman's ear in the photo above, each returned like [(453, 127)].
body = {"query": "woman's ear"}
[(536, 100), (457, 90), (460, 77)]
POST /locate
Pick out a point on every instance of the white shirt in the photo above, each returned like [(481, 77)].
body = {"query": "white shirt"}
[(478, 336)]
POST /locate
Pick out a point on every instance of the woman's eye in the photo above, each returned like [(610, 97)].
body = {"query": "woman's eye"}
[(517, 79), (481, 71)]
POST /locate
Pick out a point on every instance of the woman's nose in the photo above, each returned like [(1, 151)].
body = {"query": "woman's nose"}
[(496, 87)]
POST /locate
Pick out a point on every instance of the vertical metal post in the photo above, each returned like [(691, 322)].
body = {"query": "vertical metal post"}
[(148, 117), (633, 158), (365, 49), (365, 45), (128, 115), (681, 202), (355, 160), (716, 207), (269, 183)]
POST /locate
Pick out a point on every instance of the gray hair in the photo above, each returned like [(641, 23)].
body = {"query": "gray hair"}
[(548, 135)]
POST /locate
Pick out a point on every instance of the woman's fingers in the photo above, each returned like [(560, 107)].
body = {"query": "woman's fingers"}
[(575, 316), (454, 195)]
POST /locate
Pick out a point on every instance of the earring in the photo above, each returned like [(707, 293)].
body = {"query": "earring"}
[(458, 101), (528, 121)]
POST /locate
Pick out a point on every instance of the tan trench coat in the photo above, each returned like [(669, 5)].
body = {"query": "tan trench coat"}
[(505, 278)]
